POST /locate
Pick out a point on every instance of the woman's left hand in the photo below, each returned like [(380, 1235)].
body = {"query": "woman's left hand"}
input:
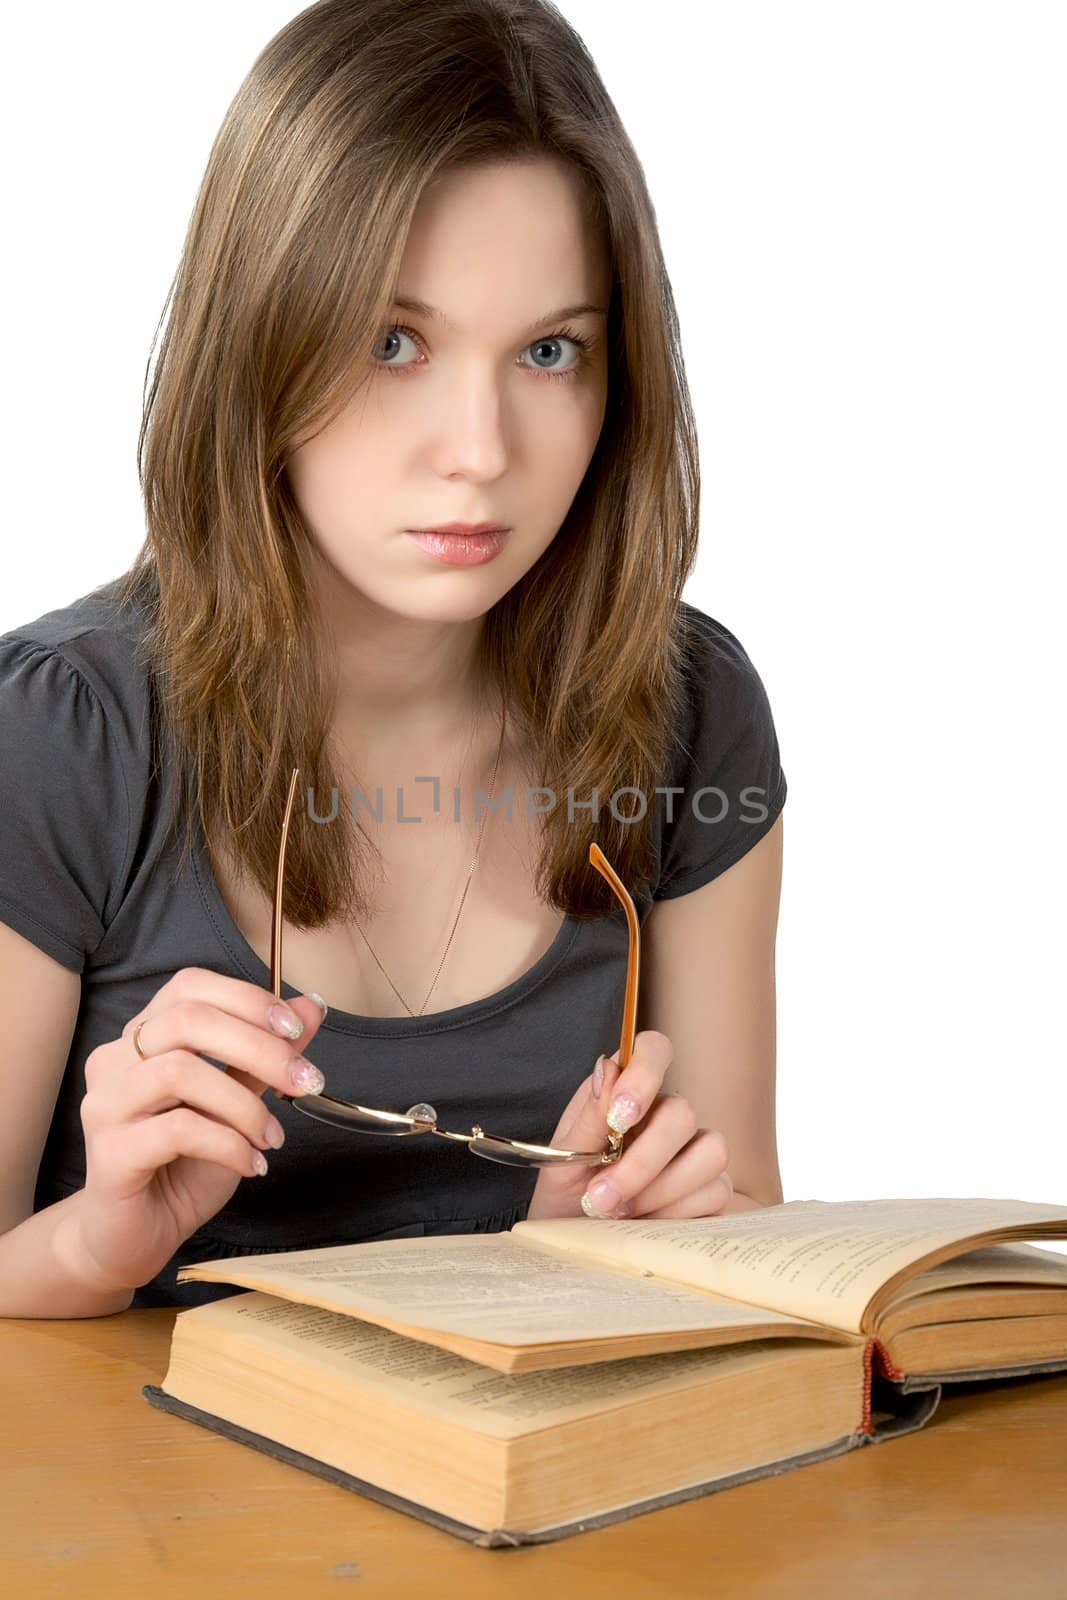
[(668, 1168)]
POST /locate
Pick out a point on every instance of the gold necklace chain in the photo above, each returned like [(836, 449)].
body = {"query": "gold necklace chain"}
[(463, 898)]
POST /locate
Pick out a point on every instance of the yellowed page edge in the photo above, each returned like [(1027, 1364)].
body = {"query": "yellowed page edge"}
[(302, 1345)]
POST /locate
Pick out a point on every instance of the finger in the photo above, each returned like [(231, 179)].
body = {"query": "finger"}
[(295, 1018), (696, 1165), (581, 1101), (704, 1202), (637, 1086), (262, 1059), (640, 1082), (128, 1157), (232, 1022), (176, 1078), (668, 1126)]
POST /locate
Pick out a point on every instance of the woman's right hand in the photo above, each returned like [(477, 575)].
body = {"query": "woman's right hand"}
[(167, 1140)]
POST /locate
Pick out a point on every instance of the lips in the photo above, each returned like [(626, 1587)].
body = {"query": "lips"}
[(463, 527), (461, 549)]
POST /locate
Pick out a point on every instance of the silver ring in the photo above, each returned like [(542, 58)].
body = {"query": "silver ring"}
[(137, 1038)]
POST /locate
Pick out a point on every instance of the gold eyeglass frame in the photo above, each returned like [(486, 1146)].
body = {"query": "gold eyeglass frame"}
[(422, 1118)]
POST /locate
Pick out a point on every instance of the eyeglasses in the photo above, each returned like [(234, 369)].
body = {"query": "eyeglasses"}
[(422, 1118)]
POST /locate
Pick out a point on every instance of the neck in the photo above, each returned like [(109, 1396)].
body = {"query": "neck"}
[(404, 677)]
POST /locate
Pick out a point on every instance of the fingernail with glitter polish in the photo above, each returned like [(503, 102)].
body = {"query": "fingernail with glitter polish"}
[(306, 1077), (600, 1199), (624, 1112), (284, 1021), (598, 1077), (320, 1002)]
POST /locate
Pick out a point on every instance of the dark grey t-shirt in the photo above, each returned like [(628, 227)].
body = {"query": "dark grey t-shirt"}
[(85, 877)]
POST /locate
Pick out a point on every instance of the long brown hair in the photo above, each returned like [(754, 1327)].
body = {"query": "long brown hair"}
[(286, 278)]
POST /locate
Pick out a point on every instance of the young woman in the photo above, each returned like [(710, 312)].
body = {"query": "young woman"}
[(421, 286)]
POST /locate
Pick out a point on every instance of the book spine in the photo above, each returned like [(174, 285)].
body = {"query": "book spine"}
[(876, 1361)]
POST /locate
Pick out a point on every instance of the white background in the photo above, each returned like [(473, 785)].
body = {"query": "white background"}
[(862, 213)]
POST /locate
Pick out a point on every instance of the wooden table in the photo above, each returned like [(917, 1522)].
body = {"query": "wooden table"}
[(103, 1495)]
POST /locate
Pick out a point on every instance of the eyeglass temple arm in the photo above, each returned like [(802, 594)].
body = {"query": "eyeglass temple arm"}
[(276, 917), (277, 909), (633, 962)]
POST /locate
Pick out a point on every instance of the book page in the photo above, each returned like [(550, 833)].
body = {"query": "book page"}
[(823, 1260), (308, 1339), (1012, 1265), (484, 1286)]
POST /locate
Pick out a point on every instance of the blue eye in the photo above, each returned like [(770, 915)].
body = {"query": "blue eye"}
[(562, 335), (392, 333), (565, 336)]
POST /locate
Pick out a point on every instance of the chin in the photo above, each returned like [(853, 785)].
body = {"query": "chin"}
[(442, 601), (465, 607)]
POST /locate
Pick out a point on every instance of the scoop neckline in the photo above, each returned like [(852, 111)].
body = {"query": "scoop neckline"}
[(351, 1022)]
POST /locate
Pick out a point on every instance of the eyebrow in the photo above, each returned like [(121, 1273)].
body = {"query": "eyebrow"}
[(431, 313)]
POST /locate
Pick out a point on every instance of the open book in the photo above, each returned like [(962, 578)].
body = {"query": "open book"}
[(637, 1363)]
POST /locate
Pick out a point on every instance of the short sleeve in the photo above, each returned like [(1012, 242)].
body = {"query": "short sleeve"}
[(727, 763), (64, 805)]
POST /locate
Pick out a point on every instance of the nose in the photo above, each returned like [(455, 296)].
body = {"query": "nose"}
[(471, 431)]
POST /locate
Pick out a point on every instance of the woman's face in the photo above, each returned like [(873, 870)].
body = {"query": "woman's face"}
[(488, 413)]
